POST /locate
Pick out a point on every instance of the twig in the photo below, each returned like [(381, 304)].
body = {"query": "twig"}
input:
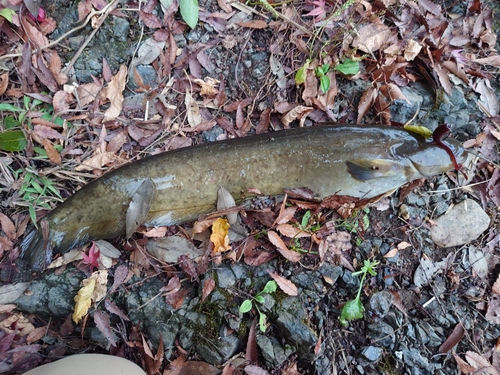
[(65, 35), (107, 10)]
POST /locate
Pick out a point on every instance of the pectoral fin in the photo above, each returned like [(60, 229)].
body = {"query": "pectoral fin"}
[(366, 169), (139, 207)]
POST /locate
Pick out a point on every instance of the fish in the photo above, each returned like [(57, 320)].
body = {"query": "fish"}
[(358, 161)]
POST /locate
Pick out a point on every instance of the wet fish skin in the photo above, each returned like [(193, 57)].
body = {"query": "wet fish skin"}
[(354, 160)]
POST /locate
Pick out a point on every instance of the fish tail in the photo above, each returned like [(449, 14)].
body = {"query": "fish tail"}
[(35, 249)]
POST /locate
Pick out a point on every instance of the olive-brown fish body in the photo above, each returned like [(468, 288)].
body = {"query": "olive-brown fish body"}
[(357, 161)]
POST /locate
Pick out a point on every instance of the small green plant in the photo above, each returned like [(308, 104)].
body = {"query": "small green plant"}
[(306, 226), (35, 192), (247, 304), (355, 223), (354, 309), (321, 73)]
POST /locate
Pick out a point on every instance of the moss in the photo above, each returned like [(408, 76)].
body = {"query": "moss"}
[(388, 365)]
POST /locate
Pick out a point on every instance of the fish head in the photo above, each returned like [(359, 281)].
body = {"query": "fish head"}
[(433, 159)]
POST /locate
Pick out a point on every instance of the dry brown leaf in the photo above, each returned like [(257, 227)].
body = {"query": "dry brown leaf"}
[(403, 245), (8, 227), (366, 102), (114, 93), (4, 82), (491, 60), (493, 311), (371, 37), (391, 253), (299, 112), (488, 97), (46, 132), (288, 254), (193, 110), (285, 285), (36, 334), (286, 215), (462, 365), (35, 36), (496, 286), (96, 161), (412, 50), (479, 362), (208, 287), (52, 153), (393, 92), (87, 93), (254, 24), (444, 77), (291, 231), (225, 6)]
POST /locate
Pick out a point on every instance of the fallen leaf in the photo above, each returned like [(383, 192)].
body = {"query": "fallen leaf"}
[(8, 227), (391, 253), (4, 82), (299, 112), (496, 286), (462, 365), (403, 245), (412, 50), (219, 236), (366, 102), (208, 287), (103, 324), (96, 162), (291, 231), (493, 311), (114, 93), (288, 254), (83, 300), (285, 285), (193, 110), (453, 339), (372, 37)]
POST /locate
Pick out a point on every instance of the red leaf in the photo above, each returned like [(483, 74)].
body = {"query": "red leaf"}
[(251, 354), (92, 258), (453, 339)]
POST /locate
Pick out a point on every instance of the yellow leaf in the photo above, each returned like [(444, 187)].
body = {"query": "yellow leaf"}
[(219, 237), (83, 300), (422, 130)]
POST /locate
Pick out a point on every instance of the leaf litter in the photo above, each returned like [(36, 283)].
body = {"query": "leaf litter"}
[(422, 35)]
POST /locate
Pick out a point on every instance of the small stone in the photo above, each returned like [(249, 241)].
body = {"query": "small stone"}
[(381, 302), (372, 353), (462, 224)]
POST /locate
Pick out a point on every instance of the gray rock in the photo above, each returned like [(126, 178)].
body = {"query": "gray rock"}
[(381, 302), (372, 353), (296, 331), (382, 333), (225, 278), (462, 224)]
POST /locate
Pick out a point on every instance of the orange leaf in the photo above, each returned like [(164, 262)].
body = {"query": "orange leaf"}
[(219, 237)]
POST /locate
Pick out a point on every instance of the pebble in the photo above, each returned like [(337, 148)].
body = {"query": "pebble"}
[(462, 224)]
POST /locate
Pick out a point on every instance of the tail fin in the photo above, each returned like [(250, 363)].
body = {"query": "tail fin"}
[(36, 250)]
